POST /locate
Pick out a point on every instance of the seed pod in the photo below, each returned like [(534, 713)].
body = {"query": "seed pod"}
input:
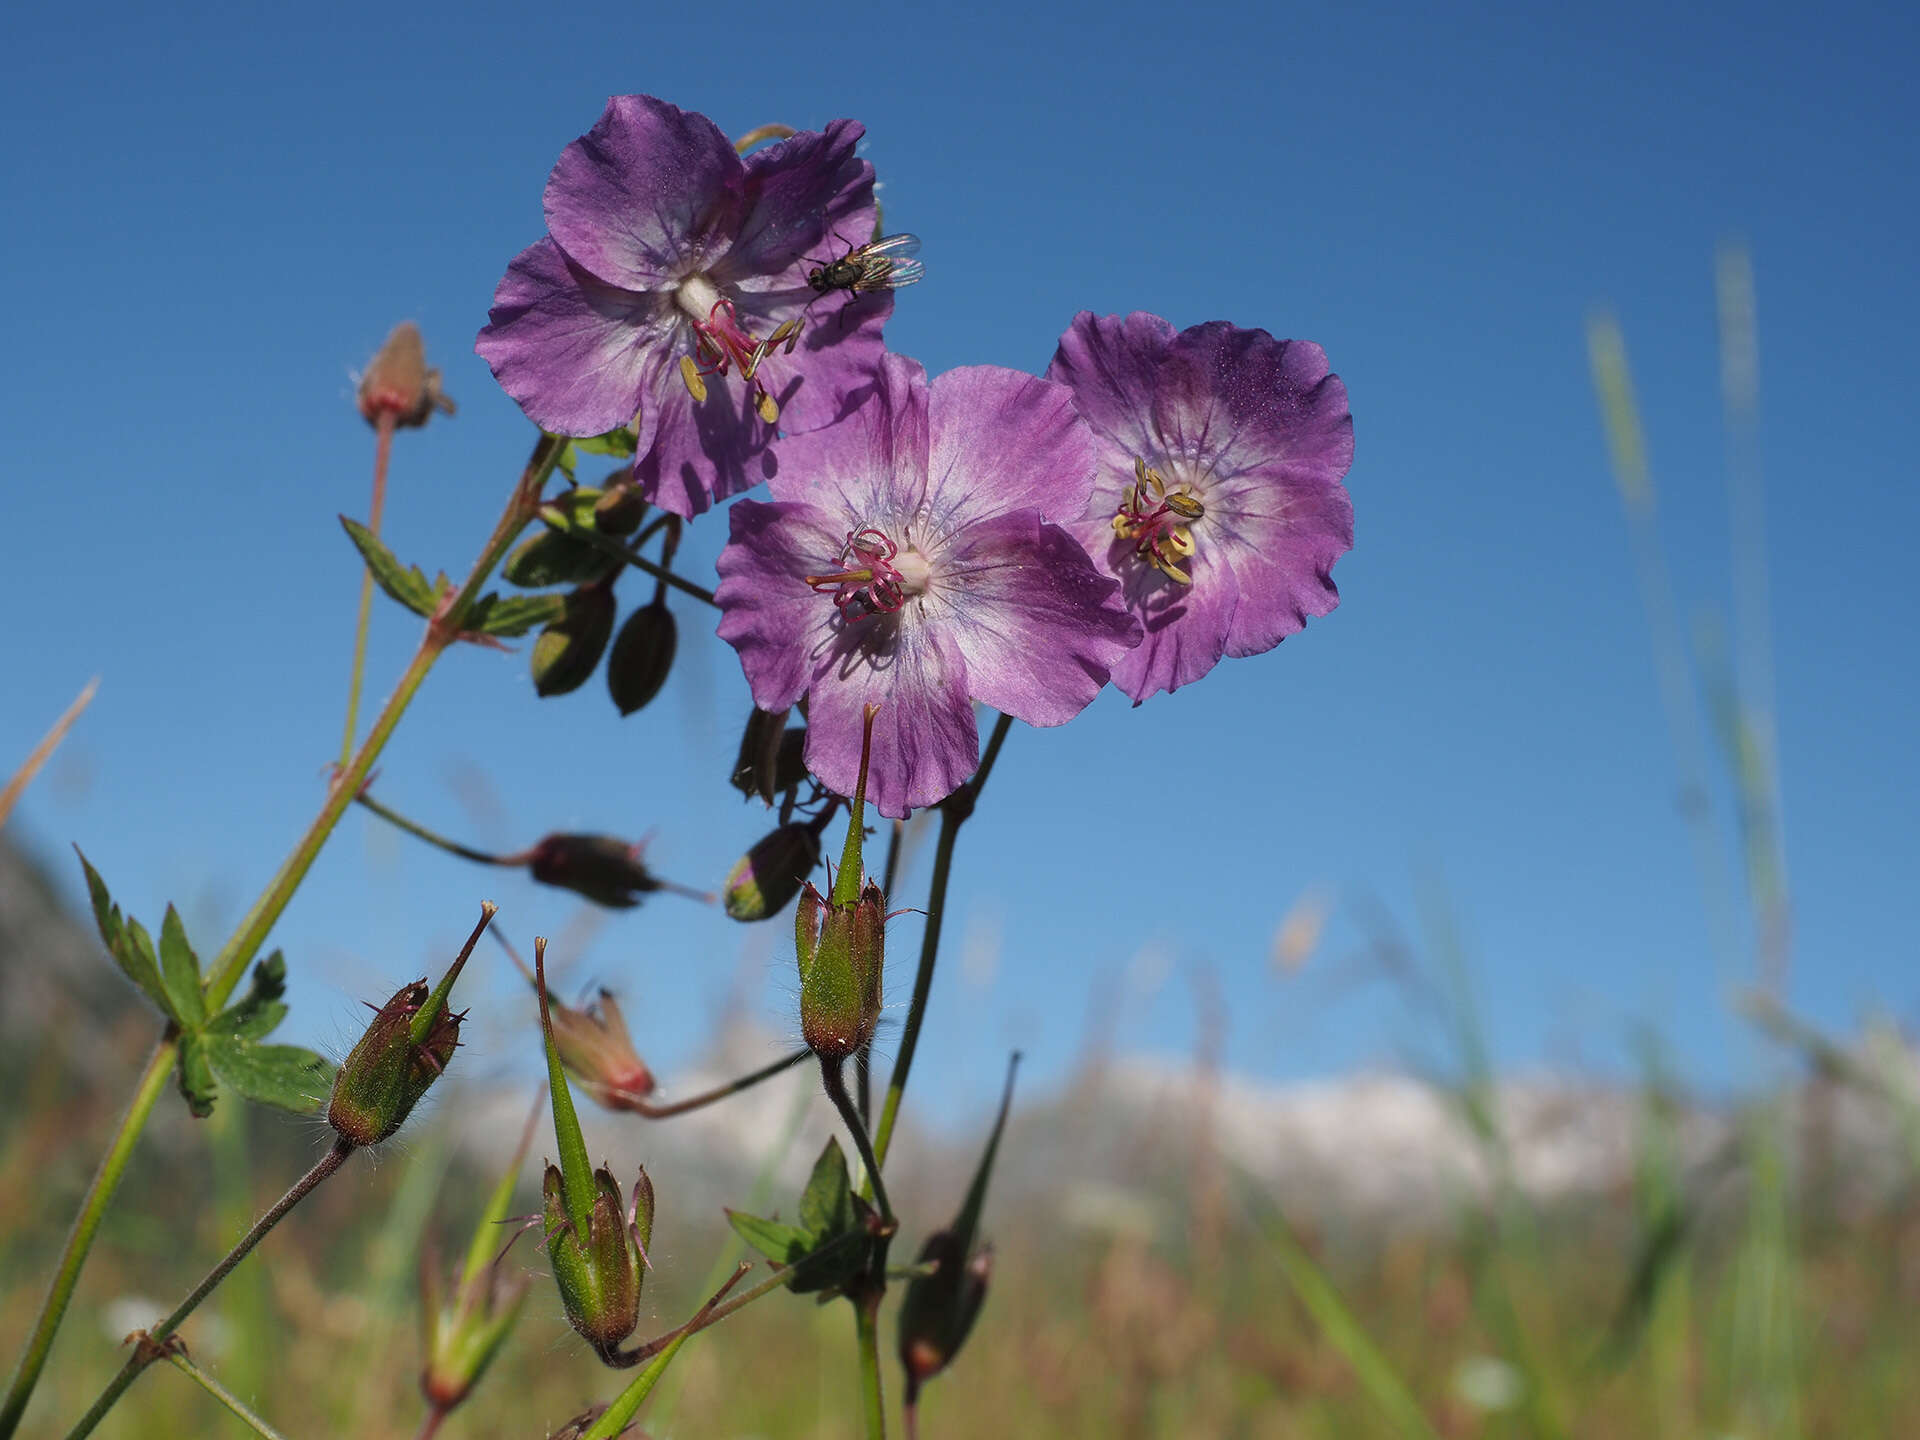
[(552, 558), (604, 868), (642, 656), (621, 507), (756, 768), (398, 382), (768, 876), (569, 649), (840, 942)]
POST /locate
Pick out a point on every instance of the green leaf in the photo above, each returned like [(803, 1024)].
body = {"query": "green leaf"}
[(139, 967), (779, 1242), (180, 971), (512, 615), (553, 558), (826, 1205), (280, 1075), (254, 1016), (619, 443), (195, 1076), (404, 583)]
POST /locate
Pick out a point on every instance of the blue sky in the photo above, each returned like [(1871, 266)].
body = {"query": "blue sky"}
[(212, 219)]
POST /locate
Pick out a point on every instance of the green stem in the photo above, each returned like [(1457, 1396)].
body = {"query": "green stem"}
[(153, 1080), (954, 811), (606, 545), (382, 448), (835, 1081), (225, 1396), (872, 1397), (147, 1350), (420, 832), (232, 961)]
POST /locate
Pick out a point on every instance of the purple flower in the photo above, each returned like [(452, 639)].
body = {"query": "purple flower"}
[(909, 560), (1218, 506), (671, 294)]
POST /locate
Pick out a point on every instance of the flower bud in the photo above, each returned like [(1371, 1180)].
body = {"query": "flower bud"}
[(642, 656), (406, 1047), (596, 1252), (598, 1266), (757, 769), (840, 942), (569, 649), (604, 868), (770, 874), (841, 950), (621, 507), (398, 383), (939, 1308), (465, 1329)]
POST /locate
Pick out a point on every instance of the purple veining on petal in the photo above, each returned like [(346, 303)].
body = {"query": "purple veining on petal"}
[(1220, 504), (867, 583), (673, 288)]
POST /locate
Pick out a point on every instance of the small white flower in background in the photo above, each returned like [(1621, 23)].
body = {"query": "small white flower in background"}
[(1487, 1382)]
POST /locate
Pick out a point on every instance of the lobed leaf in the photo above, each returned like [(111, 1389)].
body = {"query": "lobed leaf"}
[(284, 1076), (139, 966), (180, 972), (404, 583), (513, 615)]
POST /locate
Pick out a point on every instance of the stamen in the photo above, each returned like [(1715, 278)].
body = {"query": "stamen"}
[(689, 372), (1157, 521)]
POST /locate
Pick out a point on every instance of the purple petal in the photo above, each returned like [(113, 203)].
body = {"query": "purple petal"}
[(870, 469), (703, 451), (1038, 626), (1113, 364), (800, 193), (1003, 440), (925, 743), (1185, 626), (767, 612), (646, 195), (580, 356), (1248, 401), (831, 372)]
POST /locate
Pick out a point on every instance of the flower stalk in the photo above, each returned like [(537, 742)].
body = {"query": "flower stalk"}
[(234, 957)]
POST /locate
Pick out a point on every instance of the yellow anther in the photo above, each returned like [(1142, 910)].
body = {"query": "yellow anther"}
[(690, 372), (1179, 540), (753, 360), (788, 333), (769, 411), (1186, 506), (1172, 572)]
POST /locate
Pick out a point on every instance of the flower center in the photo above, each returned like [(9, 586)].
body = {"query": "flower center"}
[(876, 577), (1159, 521), (723, 345)]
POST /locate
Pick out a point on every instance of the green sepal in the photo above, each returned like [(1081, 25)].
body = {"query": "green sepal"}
[(180, 972), (778, 1241), (572, 510), (555, 558), (195, 1075), (138, 965), (513, 615), (569, 649), (284, 1076), (405, 583)]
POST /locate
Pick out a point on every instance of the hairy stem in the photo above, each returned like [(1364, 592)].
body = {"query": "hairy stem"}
[(382, 448), (835, 1082), (149, 1347), (718, 1092), (225, 1396), (232, 961)]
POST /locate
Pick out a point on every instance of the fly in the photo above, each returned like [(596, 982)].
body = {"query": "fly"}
[(881, 264)]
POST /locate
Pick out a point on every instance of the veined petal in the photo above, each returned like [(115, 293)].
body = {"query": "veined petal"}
[(799, 194), (581, 357), (1003, 440), (1185, 627), (1112, 362), (703, 450), (871, 467), (647, 196), (925, 743), (1038, 626), (1240, 400), (767, 611)]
